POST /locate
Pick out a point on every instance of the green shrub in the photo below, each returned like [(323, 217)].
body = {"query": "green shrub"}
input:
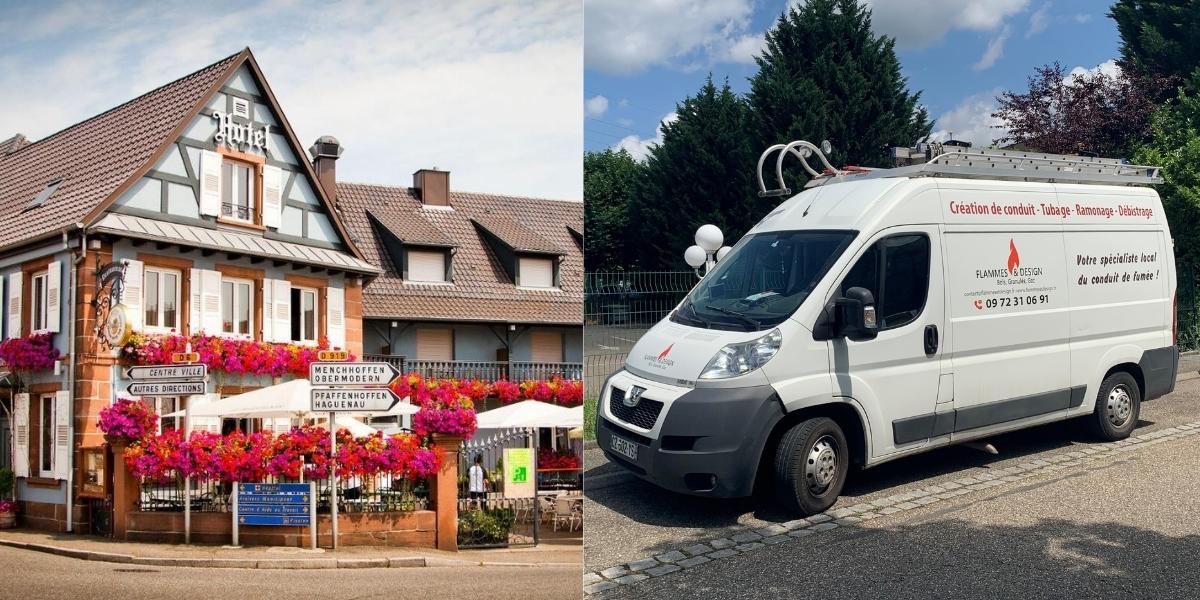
[(486, 526), (6, 482)]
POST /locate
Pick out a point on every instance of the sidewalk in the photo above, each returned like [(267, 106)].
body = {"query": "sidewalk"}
[(556, 553)]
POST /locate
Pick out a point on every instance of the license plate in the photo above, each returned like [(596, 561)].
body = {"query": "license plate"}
[(623, 447)]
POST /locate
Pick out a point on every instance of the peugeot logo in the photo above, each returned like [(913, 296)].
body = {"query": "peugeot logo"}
[(634, 396)]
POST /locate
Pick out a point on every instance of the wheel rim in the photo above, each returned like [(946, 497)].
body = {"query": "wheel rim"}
[(820, 466), (1120, 406)]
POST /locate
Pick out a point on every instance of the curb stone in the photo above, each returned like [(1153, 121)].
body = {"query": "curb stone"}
[(267, 563), (748, 540)]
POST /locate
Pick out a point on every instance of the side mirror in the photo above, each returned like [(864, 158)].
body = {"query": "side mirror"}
[(856, 318)]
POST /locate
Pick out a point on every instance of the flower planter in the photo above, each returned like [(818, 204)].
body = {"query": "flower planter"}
[(8, 519)]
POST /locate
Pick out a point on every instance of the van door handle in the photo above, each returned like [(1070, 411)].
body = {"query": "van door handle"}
[(931, 340)]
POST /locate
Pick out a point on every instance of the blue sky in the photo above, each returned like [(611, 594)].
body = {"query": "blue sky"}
[(488, 89), (643, 56)]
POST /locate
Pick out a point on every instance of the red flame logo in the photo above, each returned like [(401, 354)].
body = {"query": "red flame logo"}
[(1014, 259), (666, 352)]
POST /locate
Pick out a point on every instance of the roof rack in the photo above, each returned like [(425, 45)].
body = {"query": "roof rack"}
[(944, 160)]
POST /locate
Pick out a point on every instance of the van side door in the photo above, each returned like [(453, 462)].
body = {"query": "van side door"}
[(895, 376)]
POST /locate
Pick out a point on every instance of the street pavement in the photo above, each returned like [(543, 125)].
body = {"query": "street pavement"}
[(30, 575), (1074, 518)]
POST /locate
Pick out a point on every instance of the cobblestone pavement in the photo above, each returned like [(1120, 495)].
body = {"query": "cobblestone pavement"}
[(676, 537)]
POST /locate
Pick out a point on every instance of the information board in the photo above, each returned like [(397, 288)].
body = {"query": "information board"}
[(274, 504), (519, 475)]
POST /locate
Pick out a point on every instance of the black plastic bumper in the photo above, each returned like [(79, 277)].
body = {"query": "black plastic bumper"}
[(709, 444)]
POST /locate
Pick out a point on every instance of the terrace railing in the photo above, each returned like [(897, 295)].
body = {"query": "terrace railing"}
[(381, 493), (482, 369)]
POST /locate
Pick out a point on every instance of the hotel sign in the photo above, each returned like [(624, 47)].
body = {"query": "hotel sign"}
[(234, 134)]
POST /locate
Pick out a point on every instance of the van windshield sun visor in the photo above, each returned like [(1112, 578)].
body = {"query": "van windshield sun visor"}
[(763, 280)]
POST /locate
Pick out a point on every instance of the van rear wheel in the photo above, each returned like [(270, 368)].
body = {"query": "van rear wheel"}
[(811, 463), (1118, 405)]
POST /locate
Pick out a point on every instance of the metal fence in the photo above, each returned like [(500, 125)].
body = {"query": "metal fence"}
[(619, 306), (493, 518), (381, 493), (482, 369)]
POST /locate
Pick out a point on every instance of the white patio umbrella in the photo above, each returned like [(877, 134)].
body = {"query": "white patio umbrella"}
[(575, 419), (528, 413), (357, 428)]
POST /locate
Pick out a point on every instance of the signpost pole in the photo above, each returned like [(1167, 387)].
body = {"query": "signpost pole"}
[(537, 500), (234, 495), (187, 480), (312, 513), (333, 499)]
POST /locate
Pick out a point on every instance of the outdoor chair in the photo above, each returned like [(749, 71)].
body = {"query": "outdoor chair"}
[(565, 513)]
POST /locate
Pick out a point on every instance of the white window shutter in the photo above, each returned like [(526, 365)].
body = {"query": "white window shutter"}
[(272, 196), (210, 302), (14, 304), (283, 309), (335, 317), (131, 294), (62, 434), (21, 435), (195, 283), (53, 296), (268, 311), (210, 183)]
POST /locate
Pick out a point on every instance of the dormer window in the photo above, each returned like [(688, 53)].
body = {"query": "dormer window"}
[(426, 265), (536, 272)]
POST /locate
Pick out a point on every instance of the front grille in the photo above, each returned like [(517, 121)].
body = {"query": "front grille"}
[(644, 415)]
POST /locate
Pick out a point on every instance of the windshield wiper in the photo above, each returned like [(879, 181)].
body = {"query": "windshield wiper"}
[(734, 313), (696, 316)]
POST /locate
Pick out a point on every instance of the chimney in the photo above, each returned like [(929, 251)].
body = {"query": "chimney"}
[(325, 152), (433, 186)]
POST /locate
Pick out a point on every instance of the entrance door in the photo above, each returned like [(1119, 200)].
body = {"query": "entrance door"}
[(895, 377)]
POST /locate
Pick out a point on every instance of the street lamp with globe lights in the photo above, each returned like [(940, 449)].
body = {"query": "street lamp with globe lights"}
[(707, 251)]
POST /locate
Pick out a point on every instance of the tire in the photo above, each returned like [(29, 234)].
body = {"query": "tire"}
[(811, 463), (1118, 404)]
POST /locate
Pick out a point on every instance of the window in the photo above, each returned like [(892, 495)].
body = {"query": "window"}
[(304, 315), (546, 346), (237, 191), (435, 344), (237, 301), (166, 406), (763, 280), (536, 272), (38, 311), (161, 298), (46, 447), (426, 265), (896, 271), (45, 194)]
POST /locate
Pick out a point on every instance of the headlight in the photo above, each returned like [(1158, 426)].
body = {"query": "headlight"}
[(739, 359)]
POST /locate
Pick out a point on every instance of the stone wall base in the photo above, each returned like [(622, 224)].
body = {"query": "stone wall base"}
[(415, 529)]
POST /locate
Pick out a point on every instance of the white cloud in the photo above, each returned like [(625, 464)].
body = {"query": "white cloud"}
[(1108, 67), (638, 146), (971, 120), (403, 85), (917, 24), (993, 52), (629, 36), (1039, 20), (595, 106)]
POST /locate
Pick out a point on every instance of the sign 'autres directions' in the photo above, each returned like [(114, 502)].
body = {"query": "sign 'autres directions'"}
[(166, 388), (168, 372), (352, 373)]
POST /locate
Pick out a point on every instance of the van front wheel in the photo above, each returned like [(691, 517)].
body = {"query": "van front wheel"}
[(811, 462), (1117, 407)]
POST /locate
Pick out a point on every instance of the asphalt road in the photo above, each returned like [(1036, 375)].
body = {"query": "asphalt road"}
[(31, 575), (1008, 537)]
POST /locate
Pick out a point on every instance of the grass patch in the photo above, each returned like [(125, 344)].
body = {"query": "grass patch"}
[(589, 418)]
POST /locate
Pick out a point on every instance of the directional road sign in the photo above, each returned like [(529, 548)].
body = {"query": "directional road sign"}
[(350, 399), (166, 388), (168, 372), (325, 374)]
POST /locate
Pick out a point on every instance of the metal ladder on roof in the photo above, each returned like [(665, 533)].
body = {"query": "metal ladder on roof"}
[(941, 160)]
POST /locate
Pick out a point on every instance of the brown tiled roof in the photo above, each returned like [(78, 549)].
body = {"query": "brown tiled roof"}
[(482, 289), (514, 234), (94, 157), (410, 227), (13, 144)]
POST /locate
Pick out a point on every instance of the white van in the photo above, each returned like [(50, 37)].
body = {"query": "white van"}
[(884, 313)]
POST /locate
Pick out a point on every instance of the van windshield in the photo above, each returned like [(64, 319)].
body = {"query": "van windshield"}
[(763, 280)]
